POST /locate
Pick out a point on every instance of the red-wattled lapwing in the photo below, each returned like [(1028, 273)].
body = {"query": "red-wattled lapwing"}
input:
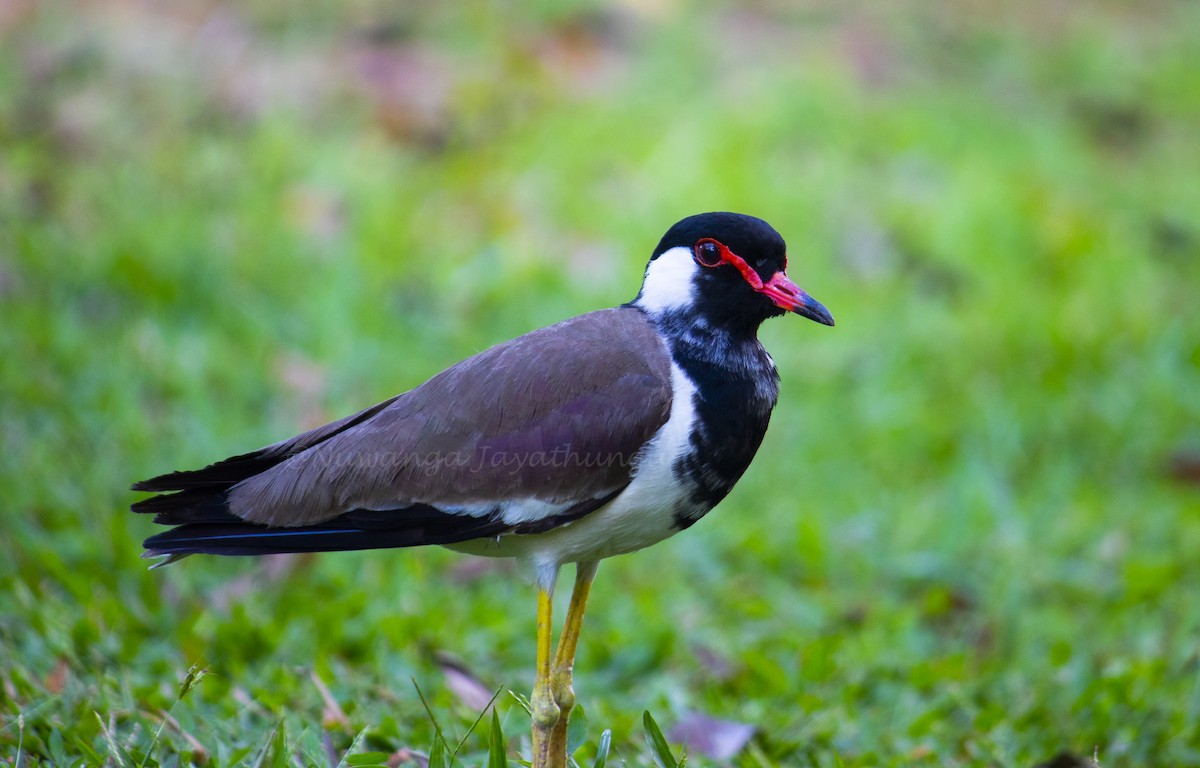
[(594, 437)]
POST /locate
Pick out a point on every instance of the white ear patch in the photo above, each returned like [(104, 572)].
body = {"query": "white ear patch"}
[(668, 283)]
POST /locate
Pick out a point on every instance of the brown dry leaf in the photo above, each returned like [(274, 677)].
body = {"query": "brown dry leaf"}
[(242, 697), (710, 737), (332, 715), (56, 680), (463, 683), (406, 756), (200, 753), (6, 685)]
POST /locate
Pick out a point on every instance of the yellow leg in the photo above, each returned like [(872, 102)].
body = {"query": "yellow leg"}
[(564, 658), (545, 710)]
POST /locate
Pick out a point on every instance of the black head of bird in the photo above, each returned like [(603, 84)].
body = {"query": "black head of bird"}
[(730, 269), (599, 435)]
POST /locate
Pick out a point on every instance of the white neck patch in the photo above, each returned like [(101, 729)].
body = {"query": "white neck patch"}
[(668, 282)]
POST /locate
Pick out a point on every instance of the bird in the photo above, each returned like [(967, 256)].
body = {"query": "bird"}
[(593, 437)]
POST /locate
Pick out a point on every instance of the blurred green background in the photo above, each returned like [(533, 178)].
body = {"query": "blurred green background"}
[(972, 536)]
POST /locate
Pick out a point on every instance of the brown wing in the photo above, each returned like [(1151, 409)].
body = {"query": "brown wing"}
[(556, 416)]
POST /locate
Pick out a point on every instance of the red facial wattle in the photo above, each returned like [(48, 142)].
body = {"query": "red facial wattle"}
[(779, 288)]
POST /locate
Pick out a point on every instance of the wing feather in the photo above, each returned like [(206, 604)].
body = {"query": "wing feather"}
[(530, 433)]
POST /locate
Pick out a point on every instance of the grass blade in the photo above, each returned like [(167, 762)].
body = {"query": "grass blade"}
[(602, 749), (576, 730), (115, 751), (365, 758), (440, 737), (497, 758), (274, 753), (194, 675), (657, 743), (437, 755), (523, 701), (475, 724)]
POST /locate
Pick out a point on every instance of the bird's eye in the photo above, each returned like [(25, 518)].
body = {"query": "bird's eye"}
[(708, 253)]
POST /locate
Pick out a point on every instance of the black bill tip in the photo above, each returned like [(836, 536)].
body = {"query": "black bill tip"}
[(814, 310)]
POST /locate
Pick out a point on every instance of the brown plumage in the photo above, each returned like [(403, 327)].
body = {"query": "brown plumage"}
[(541, 417)]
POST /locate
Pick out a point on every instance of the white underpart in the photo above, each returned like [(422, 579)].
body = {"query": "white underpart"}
[(643, 514), (512, 512), (669, 282)]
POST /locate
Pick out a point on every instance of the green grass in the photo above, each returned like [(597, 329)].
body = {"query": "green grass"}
[(960, 543)]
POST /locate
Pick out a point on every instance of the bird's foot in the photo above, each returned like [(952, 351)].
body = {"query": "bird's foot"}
[(564, 698), (560, 687), (546, 717), (545, 708)]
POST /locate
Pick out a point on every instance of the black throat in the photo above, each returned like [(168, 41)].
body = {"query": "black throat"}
[(736, 389)]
